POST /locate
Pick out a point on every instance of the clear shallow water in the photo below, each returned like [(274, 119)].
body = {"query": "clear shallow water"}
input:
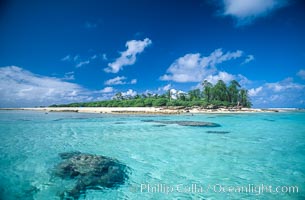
[(265, 148)]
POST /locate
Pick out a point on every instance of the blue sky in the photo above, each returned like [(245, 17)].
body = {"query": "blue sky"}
[(72, 51)]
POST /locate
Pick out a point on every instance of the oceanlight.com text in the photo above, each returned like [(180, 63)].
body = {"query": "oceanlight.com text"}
[(258, 189)]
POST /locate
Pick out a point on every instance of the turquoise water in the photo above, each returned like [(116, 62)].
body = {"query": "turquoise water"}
[(265, 148)]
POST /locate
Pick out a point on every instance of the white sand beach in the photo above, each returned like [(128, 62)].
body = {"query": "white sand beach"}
[(144, 110)]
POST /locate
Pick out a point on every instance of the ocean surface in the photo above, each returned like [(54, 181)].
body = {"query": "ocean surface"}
[(252, 152)]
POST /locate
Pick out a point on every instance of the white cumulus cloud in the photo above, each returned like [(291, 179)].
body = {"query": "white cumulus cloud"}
[(195, 68), (254, 91), (301, 74), (129, 93), (93, 57), (165, 88), (128, 57), (69, 76), (104, 57), (286, 84), (107, 90), (226, 77), (66, 58), (119, 80), (76, 58), (82, 63), (285, 93), (22, 88), (19, 87), (245, 11), (78, 61), (176, 93), (133, 81), (248, 59)]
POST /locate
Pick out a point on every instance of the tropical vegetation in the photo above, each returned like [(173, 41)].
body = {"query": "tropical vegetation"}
[(211, 96)]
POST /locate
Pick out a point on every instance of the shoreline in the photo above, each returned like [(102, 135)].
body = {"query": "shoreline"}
[(148, 110)]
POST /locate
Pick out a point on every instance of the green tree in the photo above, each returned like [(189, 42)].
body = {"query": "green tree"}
[(219, 91), (119, 96), (194, 94), (137, 96), (218, 95), (182, 97), (233, 91), (168, 95), (207, 90), (244, 99), (149, 95), (148, 102), (160, 102)]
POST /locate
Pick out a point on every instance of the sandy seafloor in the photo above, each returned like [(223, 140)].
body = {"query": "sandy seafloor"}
[(247, 150)]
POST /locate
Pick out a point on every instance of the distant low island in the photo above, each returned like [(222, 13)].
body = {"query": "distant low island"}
[(211, 97)]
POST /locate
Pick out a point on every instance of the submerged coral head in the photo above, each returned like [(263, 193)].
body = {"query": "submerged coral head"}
[(89, 172)]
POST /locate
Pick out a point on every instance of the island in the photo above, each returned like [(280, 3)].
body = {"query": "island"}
[(217, 98)]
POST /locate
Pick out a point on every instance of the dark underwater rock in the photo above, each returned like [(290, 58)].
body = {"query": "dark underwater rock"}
[(89, 172), (24, 120), (159, 125), (199, 124), (218, 132), (186, 123), (269, 120), (119, 123)]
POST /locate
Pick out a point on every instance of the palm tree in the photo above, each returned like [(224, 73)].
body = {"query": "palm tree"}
[(168, 94), (118, 96), (219, 91), (194, 94), (233, 91), (137, 96), (244, 99), (207, 87), (181, 96), (149, 95)]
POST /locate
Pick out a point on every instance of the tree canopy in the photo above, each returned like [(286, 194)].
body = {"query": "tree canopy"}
[(220, 94)]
